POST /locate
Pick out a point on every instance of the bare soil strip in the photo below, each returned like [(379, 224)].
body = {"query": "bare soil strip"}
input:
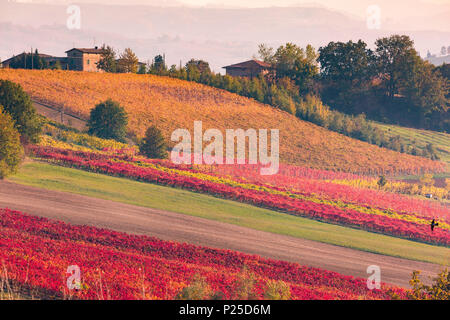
[(82, 210)]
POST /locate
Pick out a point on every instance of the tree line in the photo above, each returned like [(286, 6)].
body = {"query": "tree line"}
[(32, 61), (340, 86), (390, 84)]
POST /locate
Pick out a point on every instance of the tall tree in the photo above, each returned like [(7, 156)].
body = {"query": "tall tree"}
[(11, 150), (128, 62), (18, 104), (346, 71), (396, 58), (108, 60), (444, 70), (202, 66), (38, 62), (346, 61), (426, 91), (158, 66), (266, 53), (296, 63), (29, 61), (285, 59)]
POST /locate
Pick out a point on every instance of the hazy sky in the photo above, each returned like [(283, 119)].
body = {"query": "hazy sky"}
[(220, 36), (356, 7), (393, 9), (262, 3)]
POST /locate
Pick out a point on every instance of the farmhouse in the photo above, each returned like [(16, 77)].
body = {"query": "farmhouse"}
[(248, 69), (79, 59), (84, 59)]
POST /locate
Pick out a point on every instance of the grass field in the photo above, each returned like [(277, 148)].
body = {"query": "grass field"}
[(420, 138), (185, 202)]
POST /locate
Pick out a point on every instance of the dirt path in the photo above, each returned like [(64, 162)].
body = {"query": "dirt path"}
[(54, 114), (78, 209)]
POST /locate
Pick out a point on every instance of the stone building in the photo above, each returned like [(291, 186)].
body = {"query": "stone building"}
[(84, 59)]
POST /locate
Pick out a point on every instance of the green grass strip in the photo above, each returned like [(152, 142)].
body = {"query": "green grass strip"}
[(123, 190)]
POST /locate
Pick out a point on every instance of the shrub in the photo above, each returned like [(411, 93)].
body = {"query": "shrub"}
[(277, 290), (439, 290), (108, 120), (18, 104), (312, 109), (153, 145), (62, 137), (427, 180), (245, 285), (198, 290), (11, 150), (382, 181)]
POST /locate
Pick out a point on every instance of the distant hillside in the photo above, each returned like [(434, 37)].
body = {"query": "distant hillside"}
[(171, 104), (437, 61), (221, 36)]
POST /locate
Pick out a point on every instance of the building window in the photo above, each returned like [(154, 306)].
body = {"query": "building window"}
[(88, 61)]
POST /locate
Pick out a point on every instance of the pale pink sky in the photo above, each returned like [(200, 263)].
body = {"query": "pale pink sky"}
[(392, 9)]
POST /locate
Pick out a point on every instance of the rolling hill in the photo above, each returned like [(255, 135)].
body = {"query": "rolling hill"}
[(172, 104)]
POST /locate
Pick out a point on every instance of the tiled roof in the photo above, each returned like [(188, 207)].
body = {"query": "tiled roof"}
[(87, 50), (248, 63)]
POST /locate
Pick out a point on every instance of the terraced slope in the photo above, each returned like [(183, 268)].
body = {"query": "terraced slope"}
[(421, 138), (172, 104)]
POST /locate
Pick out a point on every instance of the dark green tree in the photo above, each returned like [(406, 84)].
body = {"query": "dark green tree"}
[(346, 61), (108, 120), (192, 72), (173, 71), (444, 70), (108, 61), (347, 69), (298, 64), (11, 150), (142, 69), (29, 61), (426, 93), (158, 66), (18, 104), (38, 62), (153, 144), (382, 181), (202, 66), (396, 58)]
